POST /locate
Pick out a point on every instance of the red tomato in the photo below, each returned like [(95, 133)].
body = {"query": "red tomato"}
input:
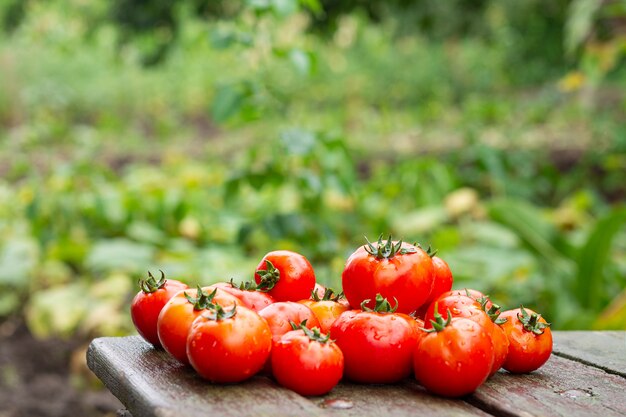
[(285, 275), (474, 294), (147, 304), (181, 310), (442, 281), (500, 348), (459, 306), (307, 362), (393, 269), (326, 309), (230, 345), (319, 289), (248, 293), (455, 358), (377, 345), (280, 315), (530, 340)]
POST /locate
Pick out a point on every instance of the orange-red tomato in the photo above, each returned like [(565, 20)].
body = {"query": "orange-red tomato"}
[(228, 345), (326, 308), (396, 270), (459, 306), (307, 362), (179, 313), (500, 348), (148, 303), (530, 340), (455, 358)]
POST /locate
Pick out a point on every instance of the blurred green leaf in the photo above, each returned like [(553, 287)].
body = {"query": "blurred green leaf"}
[(593, 257), (120, 254), (18, 259)]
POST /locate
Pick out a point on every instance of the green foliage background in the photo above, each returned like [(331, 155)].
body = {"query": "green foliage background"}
[(196, 136)]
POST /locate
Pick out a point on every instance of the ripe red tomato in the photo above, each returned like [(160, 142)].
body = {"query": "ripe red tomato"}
[(285, 275), (393, 269), (473, 294), (442, 281), (377, 345), (147, 304), (327, 308), (228, 346), (500, 348), (459, 306), (181, 310), (530, 340), (280, 315), (248, 293), (455, 358), (307, 362)]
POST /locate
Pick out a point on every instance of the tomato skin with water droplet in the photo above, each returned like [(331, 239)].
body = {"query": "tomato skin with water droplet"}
[(306, 366), (229, 350), (456, 360), (377, 347), (527, 350)]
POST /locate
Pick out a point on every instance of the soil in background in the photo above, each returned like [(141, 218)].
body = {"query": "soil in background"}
[(48, 378)]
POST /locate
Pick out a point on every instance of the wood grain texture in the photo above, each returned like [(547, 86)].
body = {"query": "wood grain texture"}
[(562, 387), (150, 383), (394, 401), (604, 350)]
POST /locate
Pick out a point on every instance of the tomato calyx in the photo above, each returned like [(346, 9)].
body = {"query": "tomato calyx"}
[(381, 306), (151, 284), (493, 312), (244, 286), (217, 313), (329, 295), (531, 322), (314, 334), (439, 323), (269, 277), (386, 249), (203, 299), (430, 251)]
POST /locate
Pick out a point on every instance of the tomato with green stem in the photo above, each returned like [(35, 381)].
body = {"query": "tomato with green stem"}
[(249, 294), (455, 356), (394, 269), (179, 313), (327, 308), (148, 303), (285, 275), (307, 361), (280, 315), (530, 340), (228, 346), (377, 343)]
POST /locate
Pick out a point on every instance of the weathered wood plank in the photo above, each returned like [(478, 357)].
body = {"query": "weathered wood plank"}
[(562, 387), (391, 401), (150, 383), (604, 350)]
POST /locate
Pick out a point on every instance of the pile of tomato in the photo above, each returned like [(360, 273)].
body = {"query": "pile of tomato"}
[(399, 318)]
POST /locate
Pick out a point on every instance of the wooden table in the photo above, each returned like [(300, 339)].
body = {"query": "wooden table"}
[(585, 376)]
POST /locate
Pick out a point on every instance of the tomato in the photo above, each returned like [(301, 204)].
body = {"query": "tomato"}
[(248, 293), (459, 306), (530, 340), (307, 362), (280, 315), (474, 294), (454, 358), (147, 304), (179, 313), (377, 344), (326, 309), (393, 269), (319, 289), (500, 348), (285, 275), (442, 281), (228, 346)]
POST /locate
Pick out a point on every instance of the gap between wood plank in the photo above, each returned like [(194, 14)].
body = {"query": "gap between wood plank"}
[(588, 363)]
